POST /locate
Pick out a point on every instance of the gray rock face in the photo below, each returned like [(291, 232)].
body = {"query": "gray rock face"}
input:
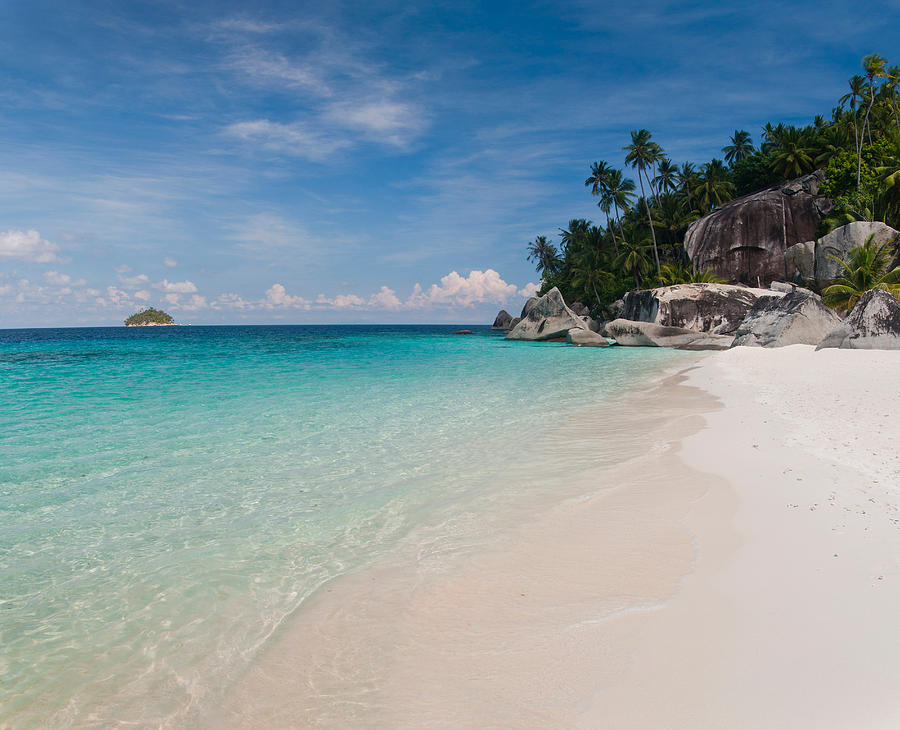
[(547, 319), (812, 259), (502, 321), (527, 307), (797, 318), (745, 239), (580, 309), (716, 308), (629, 333), (874, 324), (585, 338)]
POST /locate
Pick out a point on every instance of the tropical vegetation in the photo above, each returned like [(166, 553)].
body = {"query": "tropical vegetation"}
[(149, 316), (648, 205), (866, 267)]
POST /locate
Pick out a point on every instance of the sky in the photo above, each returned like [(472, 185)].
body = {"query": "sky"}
[(342, 162)]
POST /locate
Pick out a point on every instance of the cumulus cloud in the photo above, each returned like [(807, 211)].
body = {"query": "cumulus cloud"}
[(458, 291), (27, 246), (55, 278), (277, 297), (169, 263), (341, 301), (385, 298), (529, 290)]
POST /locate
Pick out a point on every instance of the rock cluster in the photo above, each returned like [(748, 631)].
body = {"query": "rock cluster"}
[(797, 318), (813, 259), (745, 239), (716, 308), (547, 318), (874, 324)]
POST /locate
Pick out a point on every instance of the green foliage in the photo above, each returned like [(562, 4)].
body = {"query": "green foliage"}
[(857, 144), (753, 173), (867, 267), (149, 316)]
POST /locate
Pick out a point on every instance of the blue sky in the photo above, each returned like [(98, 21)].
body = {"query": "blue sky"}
[(359, 162)]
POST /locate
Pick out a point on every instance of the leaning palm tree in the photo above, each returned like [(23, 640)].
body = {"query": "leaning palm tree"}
[(644, 153), (874, 66), (545, 255), (741, 147), (867, 267)]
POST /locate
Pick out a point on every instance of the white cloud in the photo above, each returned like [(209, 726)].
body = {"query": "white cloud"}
[(27, 246), (277, 297), (123, 269), (529, 290), (134, 282), (172, 298), (388, 121), (142, 295), (169, 263), (385, 298), (342, 301), (296, 139), (459, 291), (177, 287), (55, 278), (196, 303)]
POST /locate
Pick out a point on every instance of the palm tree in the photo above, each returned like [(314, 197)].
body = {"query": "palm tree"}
[(715, 187), (679, 273), (741, 147), (792, 154), (866, 267), (642, 153), (874, 66), (597, 180), (633, 261), (574, 236), (890, 88), (687, 180), (588, 272), (666, 176), (545, 255), (618, 194), (854, 96)]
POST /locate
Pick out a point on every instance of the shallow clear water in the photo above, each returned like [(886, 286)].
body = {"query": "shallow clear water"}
[(169, 495)]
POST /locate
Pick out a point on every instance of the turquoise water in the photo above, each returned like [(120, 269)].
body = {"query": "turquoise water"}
[(168, 496)]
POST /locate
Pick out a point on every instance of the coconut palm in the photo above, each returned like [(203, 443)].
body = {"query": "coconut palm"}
[(666, 179), (741, 147), (714, 185), (687, 181), (597, 180), (588, 271), (867, 267), (634, 261), (874, 66), (792, 153), (621, 190), (679, 273), (855, 96), (545, 255), (644, 153)]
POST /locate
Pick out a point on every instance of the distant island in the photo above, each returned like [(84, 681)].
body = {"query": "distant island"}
[(150, 317)]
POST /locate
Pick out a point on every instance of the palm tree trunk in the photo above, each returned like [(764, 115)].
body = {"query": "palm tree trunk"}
[(650, 218), (858, 151)]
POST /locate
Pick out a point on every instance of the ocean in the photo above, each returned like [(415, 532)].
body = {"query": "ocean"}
[(169, 497)]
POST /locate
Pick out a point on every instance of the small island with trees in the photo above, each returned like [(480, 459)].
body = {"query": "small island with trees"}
[(150, 317)]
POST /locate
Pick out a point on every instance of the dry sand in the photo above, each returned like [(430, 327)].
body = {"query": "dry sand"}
[(740, 570)]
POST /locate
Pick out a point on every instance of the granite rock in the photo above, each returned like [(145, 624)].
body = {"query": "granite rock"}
[(874, 324)]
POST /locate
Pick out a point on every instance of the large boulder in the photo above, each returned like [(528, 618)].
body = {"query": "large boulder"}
[(797, 318), (648, 334), (528, 306), (812, 259), (745, 239), (502, 321), (585, 338), (547, 319), (717, 308), (874, 324), (582, 310)]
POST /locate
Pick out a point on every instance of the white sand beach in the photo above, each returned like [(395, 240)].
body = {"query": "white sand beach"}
[(741, 571)]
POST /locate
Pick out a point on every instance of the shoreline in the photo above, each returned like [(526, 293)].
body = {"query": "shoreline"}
[(735, 575)]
